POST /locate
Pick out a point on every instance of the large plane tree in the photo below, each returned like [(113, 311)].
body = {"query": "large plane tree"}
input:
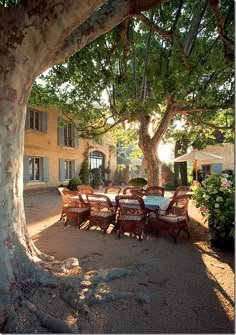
[(36, 35), (171, 64)]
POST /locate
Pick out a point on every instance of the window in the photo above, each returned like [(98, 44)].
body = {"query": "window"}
[(206, 169), (68, 136), (36, 169), (37, 120), (68, 169), (96, 159)]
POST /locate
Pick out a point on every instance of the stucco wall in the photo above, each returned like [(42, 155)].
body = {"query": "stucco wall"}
[(226, 150), (46, 145)]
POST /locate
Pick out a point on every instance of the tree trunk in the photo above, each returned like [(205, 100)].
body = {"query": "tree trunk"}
[(180, 168), (151, 160)]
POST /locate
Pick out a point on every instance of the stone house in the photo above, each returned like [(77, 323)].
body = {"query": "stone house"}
[(53, 154)]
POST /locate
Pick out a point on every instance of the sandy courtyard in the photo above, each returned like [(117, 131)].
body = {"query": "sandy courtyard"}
[(169, 288)]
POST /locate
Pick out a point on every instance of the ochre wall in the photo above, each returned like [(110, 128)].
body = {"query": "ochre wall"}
[(226, 150), (46, 145)]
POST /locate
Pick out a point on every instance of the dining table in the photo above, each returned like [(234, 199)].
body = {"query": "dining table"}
[(151, 202)]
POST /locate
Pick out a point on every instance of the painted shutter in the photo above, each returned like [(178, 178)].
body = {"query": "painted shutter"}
[(44, 116), (76, 138), (45, 168), (60, 133), (76, 168), (27, 120), (26, 169), (217, 168), (61, 169)]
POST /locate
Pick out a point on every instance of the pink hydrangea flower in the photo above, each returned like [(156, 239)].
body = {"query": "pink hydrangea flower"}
[(225, 184)]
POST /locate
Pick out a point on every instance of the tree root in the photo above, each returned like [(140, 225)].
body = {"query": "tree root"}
[(92, 288), (52, 323), (80, 291)]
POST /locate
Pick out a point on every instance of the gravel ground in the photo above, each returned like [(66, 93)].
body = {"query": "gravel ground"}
[(186, 287)]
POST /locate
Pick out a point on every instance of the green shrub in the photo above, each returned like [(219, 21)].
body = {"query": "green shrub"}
[(84, 172), (97, 177), (73, 183), (138, 181)]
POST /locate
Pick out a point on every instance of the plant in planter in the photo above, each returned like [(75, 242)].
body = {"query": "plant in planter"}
[(215, 199), (97, 178), (73, 183), (84, 172)]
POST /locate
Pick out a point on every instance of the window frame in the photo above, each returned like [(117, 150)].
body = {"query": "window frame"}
[(69, 138), (69, 169), (36, 170)]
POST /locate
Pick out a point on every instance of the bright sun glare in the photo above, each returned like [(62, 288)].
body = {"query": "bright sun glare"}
[(166, 153)]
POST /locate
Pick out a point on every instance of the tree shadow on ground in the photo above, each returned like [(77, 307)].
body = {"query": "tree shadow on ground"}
[(178, 292)]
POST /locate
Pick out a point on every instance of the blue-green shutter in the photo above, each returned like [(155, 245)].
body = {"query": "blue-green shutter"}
[(45, 168), (60, 133), (44, 122), (217, 168), (76, 168), (61, 169), (26, 169), (76, 138), (27, 120)]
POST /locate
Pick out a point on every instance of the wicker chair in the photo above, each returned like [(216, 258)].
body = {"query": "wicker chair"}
[(85, 189), (112, 189), (175, 218), (134, 190), (74, 207), (181, 190), (155, 190), (132, 215), (103, 213)]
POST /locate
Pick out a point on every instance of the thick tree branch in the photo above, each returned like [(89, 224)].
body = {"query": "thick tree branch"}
[(221, 31), (167, 35), (204, 123), (102, 21)]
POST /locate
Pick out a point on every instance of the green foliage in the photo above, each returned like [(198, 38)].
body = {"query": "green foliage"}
[(138, 181), (73, 183), (84, 172), (215, 199), (97, 177)]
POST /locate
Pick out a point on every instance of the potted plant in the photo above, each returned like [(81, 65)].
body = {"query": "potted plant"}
[(97, 178), (84, 172), (73, 183)]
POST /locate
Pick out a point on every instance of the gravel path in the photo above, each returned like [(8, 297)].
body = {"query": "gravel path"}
[(175, 288)]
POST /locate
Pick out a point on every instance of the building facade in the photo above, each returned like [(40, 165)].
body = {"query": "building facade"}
[(226, 151), (54, 152)]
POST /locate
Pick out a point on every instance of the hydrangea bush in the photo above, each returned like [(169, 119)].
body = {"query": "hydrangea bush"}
[(215, 199)]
